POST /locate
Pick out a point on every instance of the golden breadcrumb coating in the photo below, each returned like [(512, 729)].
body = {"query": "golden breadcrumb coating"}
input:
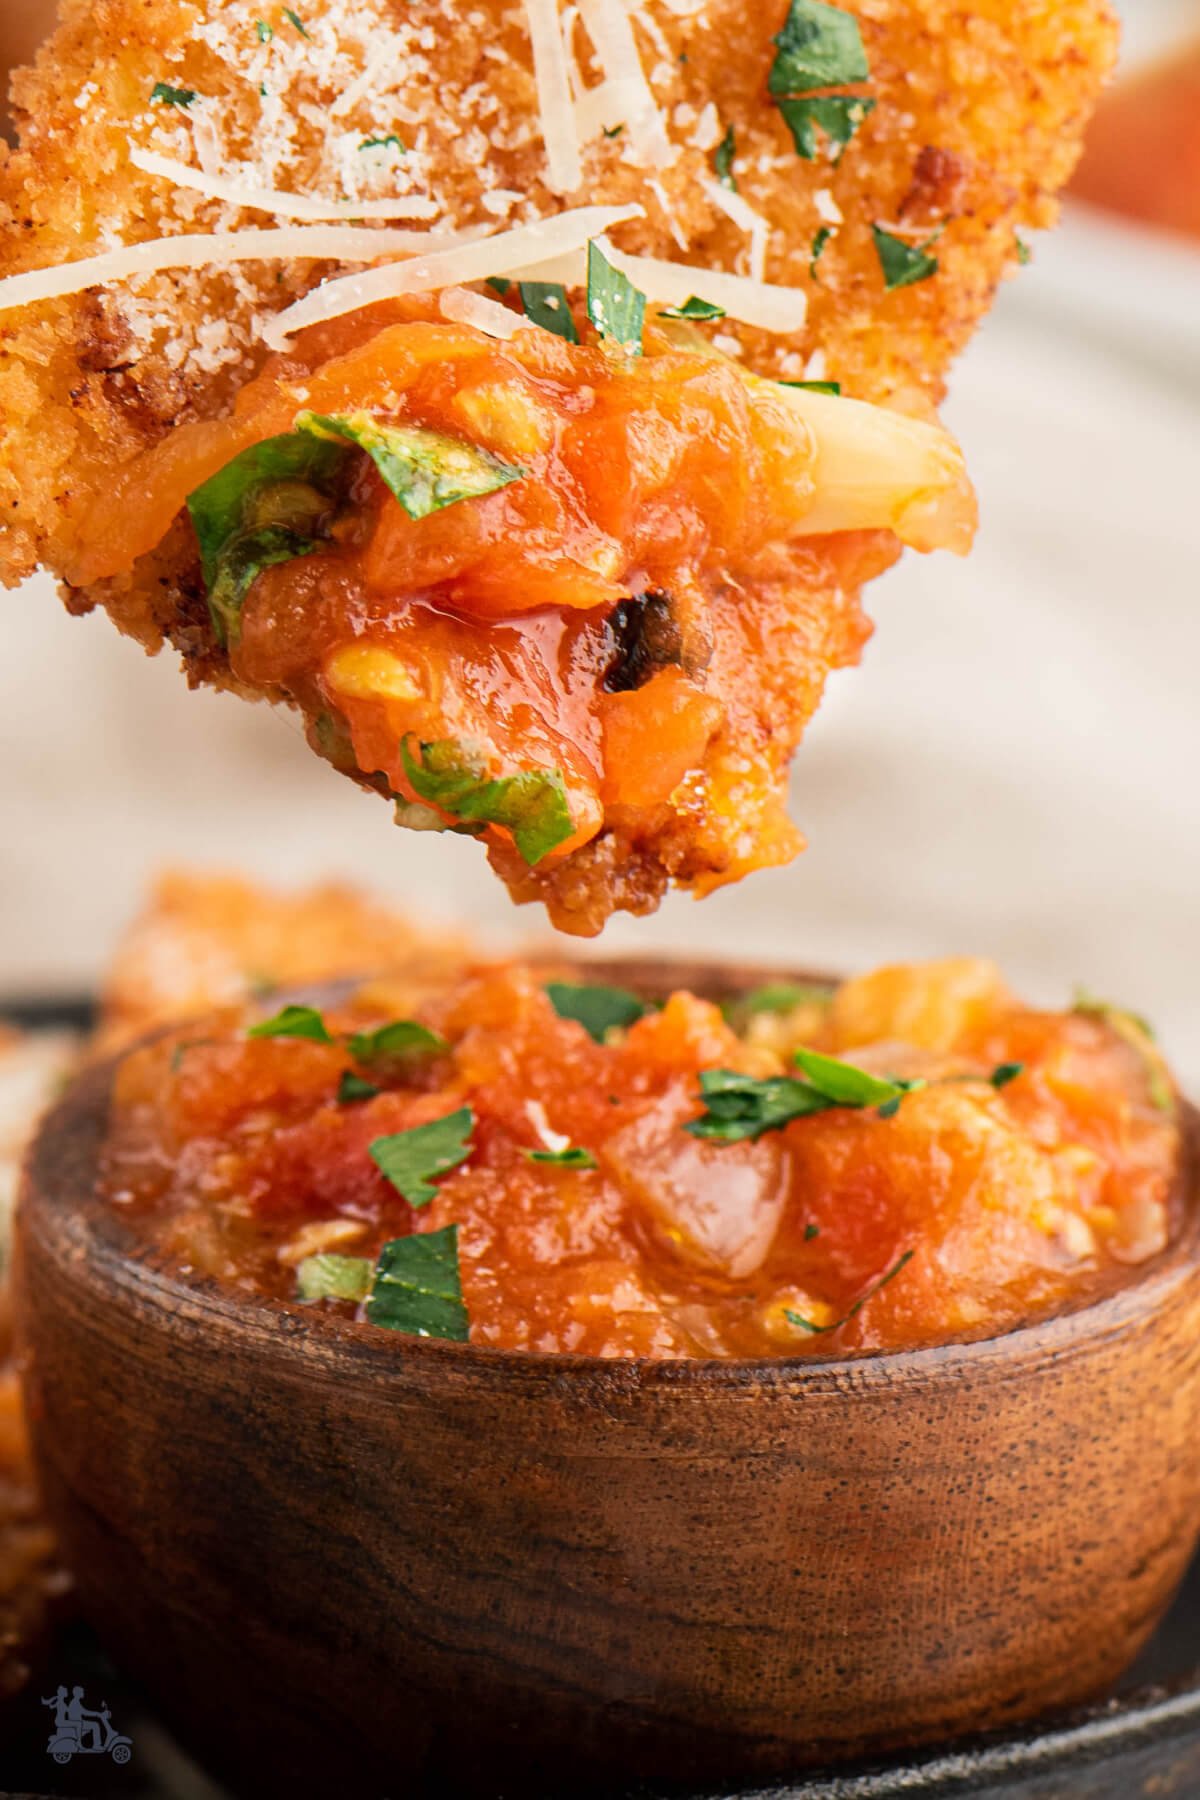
[(978, 120), (203, 941)]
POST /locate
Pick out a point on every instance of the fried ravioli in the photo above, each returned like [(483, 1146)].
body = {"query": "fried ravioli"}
[(563, 561)]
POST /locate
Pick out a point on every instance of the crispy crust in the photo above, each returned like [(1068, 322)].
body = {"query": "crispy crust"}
[(979, 116)]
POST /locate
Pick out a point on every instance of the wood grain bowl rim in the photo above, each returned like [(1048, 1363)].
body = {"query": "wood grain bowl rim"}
[(71, 1131)]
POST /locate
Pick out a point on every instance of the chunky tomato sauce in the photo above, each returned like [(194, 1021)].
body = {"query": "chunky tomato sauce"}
[(1025, 1159), (640, 618)]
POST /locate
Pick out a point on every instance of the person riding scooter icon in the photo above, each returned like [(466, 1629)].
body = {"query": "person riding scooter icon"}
[(81, 1730)]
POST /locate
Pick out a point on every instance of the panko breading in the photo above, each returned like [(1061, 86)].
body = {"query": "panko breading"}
[(674, 768)]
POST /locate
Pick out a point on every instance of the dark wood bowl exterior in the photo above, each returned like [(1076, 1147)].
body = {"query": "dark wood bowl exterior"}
[(333, 1555)]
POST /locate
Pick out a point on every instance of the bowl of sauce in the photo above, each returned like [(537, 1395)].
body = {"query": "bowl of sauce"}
[(654, 1373)]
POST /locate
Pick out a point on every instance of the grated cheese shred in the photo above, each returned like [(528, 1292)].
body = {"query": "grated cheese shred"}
[(284, 206), (555, 104)]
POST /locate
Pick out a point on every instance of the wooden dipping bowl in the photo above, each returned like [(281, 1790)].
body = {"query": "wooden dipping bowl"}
[(344, 1561)]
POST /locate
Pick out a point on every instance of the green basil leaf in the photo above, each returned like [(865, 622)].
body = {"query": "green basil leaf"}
[(845, 1084), (546, 303), (417, 1287), (1003, 1073), (411, 1159), (819, 46), (331, 1277), (820, 239), (723, 157), (265, 31), (293, 1022), (700, 311), (837, 115), (352, 1088), (572, 1158), (423, 469), (616, 308), (902, 264), (273, 502), (390, 142), (402, 1040), (794, 1318), (293, 18), (597, 1009), (163, 94), (532, 804)]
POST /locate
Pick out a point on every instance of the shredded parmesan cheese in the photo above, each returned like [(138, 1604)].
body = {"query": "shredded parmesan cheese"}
[(501, 254), (608, 25), (462, 307), (285, 206), (554, 96), (761, 303), (743, 215), (204, 249)]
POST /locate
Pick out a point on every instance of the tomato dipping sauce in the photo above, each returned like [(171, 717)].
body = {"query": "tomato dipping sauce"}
[(560, 1166), (577, 603)]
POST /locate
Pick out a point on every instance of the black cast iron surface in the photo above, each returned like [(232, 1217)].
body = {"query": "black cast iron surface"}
[(1141, 1744)]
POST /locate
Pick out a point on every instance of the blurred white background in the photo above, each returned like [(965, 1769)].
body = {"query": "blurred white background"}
[(1013, 771)]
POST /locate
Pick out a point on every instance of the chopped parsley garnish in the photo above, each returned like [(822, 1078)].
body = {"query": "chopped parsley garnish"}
[(820, 239), (723, 157), (695, 309), (837, 115), (272, 503), (499, 285), (546, 303), (777, 996), (332, 1277), (612, 131), (417, 1287), (352, 1088), (820, 46), (810, 1232), (903, 264), (845, 1084), (411, 1159), (391, 141), (293, 1022), (532, 804), (597, 1009), (794, 1318), (616, 308), (423, 469), (815, 387), (1024, 252), (571, 1158), (399, 1041), (293, 18), (163, 94), (738, 1107), (265, 31), (1003, 1073)]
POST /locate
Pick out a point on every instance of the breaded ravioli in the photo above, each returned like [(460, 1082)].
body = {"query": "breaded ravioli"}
[(525, 395)]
